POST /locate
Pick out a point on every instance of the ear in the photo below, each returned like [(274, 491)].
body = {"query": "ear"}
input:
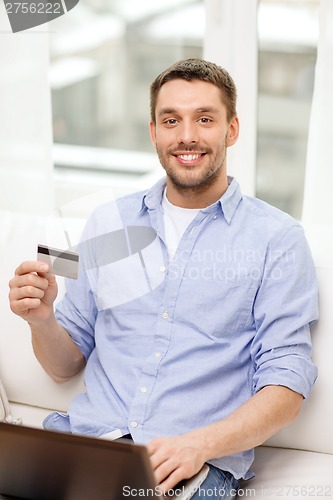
[(152, 130), (233, 131)]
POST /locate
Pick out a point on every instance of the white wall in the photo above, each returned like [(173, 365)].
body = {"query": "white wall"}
[(317, 206), (232, 42), (25, 119)]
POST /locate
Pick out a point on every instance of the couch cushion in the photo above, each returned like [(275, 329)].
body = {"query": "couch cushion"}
[(24, 379), (4, 404), (312, 430), (30, 416), (282, 473)]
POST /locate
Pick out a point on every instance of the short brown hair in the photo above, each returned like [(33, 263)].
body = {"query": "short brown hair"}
[(197, 69)]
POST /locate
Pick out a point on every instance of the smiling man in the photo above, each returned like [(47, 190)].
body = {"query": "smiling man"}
[(191, 128), (204, 353)]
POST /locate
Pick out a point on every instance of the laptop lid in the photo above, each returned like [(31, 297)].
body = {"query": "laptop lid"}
[(47, 465)]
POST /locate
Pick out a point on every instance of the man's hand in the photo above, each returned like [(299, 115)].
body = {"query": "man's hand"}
[(265, 413), (176, 458), (32, 292)]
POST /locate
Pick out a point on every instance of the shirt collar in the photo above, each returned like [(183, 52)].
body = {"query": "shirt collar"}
[(153, 197), (229, 200)]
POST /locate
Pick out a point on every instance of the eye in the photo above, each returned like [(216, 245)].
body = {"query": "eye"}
[(170, 121), (205, 119)]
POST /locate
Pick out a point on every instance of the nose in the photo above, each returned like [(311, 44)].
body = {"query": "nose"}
[(187, 132)]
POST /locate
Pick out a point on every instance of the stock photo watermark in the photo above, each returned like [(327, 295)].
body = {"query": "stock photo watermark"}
[(226, 265), (25, 15), (286, 491), (181, 491)]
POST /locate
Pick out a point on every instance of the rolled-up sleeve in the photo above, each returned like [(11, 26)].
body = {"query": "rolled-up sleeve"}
[(285, 306), (77, 311)]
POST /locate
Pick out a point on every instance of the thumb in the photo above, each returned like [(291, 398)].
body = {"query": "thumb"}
[(52, 289)]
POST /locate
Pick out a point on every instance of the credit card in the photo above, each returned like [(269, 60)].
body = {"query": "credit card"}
[(62, 262)]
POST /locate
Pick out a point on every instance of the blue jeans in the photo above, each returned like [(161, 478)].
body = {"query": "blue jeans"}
[(217, 485)]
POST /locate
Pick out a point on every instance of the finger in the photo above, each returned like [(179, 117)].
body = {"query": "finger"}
[(23, 306), (29, 292), (17, 294), (171, 481), (163, 471), (163, 463), (31, 267), (50, 277), (30, 279), (158, 454), (153, 447)]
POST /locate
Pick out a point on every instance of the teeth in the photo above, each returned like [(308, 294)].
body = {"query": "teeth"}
[(189, 157)]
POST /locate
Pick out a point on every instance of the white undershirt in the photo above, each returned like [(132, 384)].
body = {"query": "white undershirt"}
[(176, 220)]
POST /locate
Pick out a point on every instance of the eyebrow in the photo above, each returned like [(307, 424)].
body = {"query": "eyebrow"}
[(166, 111), (203, 109), (207, 109)]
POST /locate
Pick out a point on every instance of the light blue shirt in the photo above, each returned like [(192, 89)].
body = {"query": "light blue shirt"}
[(171, 347)]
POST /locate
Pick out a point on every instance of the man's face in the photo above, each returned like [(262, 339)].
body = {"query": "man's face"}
[(191, 133)]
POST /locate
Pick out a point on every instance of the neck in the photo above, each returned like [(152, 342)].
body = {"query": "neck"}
[(195, 197)]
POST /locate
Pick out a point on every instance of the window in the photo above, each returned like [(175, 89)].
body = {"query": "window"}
[(104, 55), (287, 58)]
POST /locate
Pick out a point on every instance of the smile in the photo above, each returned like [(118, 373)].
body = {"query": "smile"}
[(189, 157)]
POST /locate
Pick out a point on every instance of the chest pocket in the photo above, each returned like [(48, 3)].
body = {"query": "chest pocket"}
[(218, 307)]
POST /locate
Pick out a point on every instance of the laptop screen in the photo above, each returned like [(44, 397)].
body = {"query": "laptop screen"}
[(46, 465)]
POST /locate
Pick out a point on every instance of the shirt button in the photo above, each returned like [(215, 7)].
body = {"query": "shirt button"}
[(162, 269), (165, 315), (215, 217), (157, 354), (134, 424), (143, 389)]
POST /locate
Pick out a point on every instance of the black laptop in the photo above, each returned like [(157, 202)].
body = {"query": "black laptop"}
[(44, 465), (36, 464)]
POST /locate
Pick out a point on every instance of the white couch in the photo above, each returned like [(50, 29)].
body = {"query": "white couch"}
[(297, 462)]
